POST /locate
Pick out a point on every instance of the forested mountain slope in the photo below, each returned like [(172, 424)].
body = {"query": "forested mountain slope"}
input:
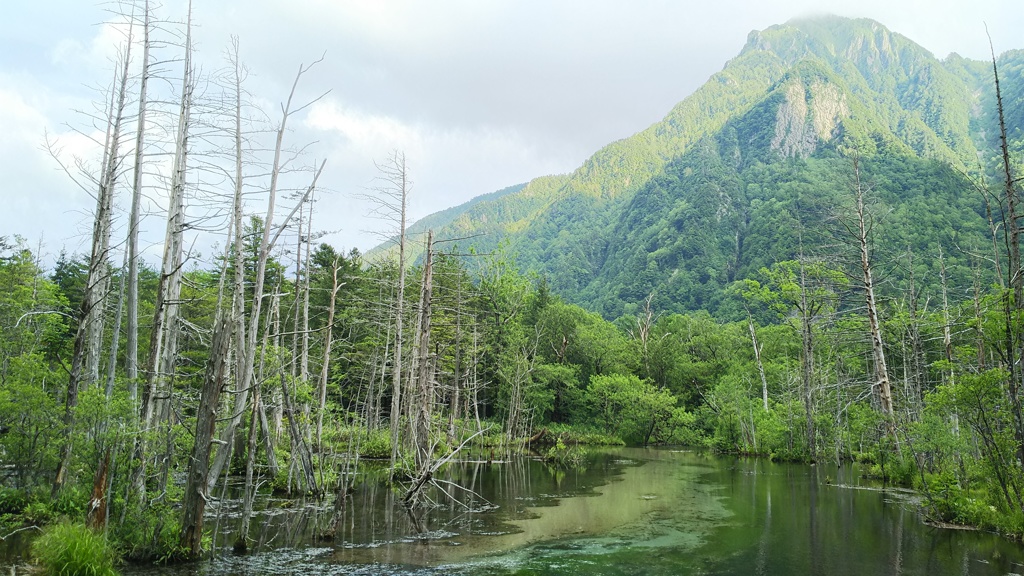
[(756, 165)]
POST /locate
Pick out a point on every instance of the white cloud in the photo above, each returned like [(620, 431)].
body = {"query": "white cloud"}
[(39, 201), (373, 134), (95, 54)]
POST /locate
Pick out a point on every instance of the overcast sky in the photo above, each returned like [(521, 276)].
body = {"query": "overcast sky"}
[(479, 94)]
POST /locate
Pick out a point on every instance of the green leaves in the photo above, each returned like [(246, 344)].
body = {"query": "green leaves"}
[(633, 408)]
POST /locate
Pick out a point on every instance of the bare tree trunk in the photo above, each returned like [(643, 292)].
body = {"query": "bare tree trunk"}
[(807, 360), (1015, 308), (644, 325), (297, 295), (115, 331), (197, 479), (475, 382), (877, 350), (425, 375), (267, 436), (457, 376), (273, 336), (132, 343), (241, 543), (197, 484), (394, 172), (163, 341), (757, 358), (325, 366), (979, 322), (947, 337), (300, 449), (164, 330), (304, 348), (408, 395), (89, 337), (266, 245), (98, 281), (378, 383), (919, 361), (243, 362)]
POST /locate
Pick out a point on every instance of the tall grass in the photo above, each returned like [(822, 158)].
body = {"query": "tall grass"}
[(67, 549)]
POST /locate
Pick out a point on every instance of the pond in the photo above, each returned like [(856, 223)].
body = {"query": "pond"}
[(624, 511)]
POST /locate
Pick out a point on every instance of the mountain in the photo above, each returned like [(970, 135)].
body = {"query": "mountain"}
[(488, 216), (755, 167)]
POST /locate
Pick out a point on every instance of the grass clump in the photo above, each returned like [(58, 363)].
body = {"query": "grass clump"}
[(376, 445), (69, 549), (584, 435)]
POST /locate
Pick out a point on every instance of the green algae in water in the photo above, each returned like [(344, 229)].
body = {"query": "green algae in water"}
[(664, 513), (632, 512)]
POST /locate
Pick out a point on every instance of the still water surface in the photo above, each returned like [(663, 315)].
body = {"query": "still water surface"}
[(627, 511)]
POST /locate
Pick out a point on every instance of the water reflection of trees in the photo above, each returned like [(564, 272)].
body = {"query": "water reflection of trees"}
[(475, 497)]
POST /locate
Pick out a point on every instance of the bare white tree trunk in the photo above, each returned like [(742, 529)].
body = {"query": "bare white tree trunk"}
[(267, 243), (164, 337), (395, 175), (132, 342), (325, 366), (877, 350), (304, 348), (115, 339), (196, 480), (296, 291), (757, 358), (807, 358), (424, 373), (89, 337), (1012, 309)]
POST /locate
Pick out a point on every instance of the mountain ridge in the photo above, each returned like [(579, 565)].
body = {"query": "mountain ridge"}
[(799, 93)]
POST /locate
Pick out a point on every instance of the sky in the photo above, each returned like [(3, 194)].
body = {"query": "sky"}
[(478, 94)]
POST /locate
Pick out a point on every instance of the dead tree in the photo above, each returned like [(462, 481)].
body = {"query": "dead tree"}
[(89, 336), (808, 312), (132, 341), (267, 242), (757, 357), (325, 366), (424, 374), (1013, 299), (394, 199), (162, 355), (196, 489), (862, 235)]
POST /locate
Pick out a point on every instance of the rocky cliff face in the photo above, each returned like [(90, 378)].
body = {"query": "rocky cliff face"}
[(807, 115)]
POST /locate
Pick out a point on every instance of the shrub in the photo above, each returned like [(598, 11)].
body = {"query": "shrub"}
[(629, 407), (490, 440), (71, 501), (12, 501), (67, 549), (376, 445), (566, 456), (37, 513), (579, 434), (149, 535)]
